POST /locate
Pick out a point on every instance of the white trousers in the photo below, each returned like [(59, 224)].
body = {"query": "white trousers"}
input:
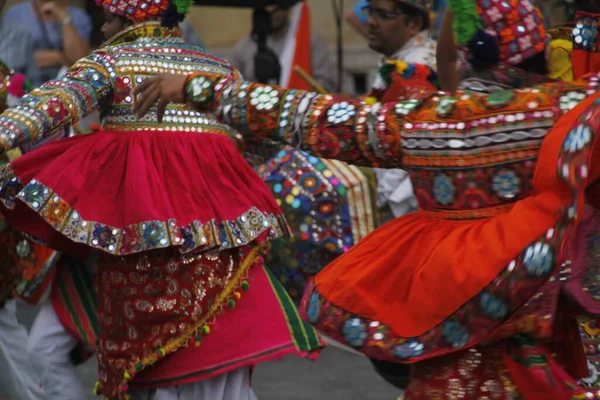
[(51, 345), (18, 379), (234, 385)]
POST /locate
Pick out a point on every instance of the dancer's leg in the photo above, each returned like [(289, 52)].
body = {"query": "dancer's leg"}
[(17, 377), (52, 344)]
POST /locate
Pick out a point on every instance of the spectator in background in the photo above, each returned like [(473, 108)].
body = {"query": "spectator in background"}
[(61, 34), (16, 46), (284, 36), (359, 20)]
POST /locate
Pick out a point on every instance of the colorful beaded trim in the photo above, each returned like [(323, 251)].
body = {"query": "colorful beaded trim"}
[(144, 236)]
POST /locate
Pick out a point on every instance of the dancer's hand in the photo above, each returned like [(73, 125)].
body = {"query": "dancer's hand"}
[(160, 90)]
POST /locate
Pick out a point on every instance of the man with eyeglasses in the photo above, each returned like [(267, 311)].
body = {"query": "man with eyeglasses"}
[(359, 20), (399, 30)]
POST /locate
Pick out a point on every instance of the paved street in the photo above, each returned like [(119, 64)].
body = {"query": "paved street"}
[(337, 375)]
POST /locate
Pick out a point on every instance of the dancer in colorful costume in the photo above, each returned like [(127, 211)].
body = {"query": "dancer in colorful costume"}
[(561, 65), (178, 219), (465, 289)]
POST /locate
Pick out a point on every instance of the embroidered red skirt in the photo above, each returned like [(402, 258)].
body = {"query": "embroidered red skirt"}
[(125, 192)]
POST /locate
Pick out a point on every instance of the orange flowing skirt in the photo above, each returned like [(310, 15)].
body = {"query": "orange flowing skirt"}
[(414, 274)]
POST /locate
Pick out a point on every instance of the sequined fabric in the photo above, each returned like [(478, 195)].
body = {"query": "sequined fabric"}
[(330, 205), (590, 333), (585, 32), (499, 78), (139, 237), (519, 25), (151, 304), (10, 273), (137, 10), (477, 374), (518, 368), (582, 285)]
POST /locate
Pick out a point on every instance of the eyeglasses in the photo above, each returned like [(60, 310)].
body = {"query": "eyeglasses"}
[(380, 14)]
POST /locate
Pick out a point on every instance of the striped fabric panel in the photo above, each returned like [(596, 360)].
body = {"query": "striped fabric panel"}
[(304, 335), (74, 301)]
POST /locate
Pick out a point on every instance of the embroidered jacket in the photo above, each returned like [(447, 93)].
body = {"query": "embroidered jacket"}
[(104, 80)]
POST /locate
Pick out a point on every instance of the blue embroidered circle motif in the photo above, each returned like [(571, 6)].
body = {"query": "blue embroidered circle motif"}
[(577, 139), (314, 308), (455, 334), (355, 332), (538, 259), (443, 189), (493, 306), (411, 349), (506, 184), (341, 112)]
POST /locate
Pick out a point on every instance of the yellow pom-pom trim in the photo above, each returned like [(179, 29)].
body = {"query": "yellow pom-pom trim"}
[(127, 375), (401, 66), (371, 100)]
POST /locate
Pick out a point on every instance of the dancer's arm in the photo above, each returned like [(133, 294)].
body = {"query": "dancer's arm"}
[(325, 126), (58, 103), (348, 130)]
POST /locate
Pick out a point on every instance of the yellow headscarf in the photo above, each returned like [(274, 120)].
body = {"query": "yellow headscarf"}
[(561, 46)]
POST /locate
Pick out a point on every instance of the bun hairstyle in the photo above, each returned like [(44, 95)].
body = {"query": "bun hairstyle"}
[(175, 13)]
